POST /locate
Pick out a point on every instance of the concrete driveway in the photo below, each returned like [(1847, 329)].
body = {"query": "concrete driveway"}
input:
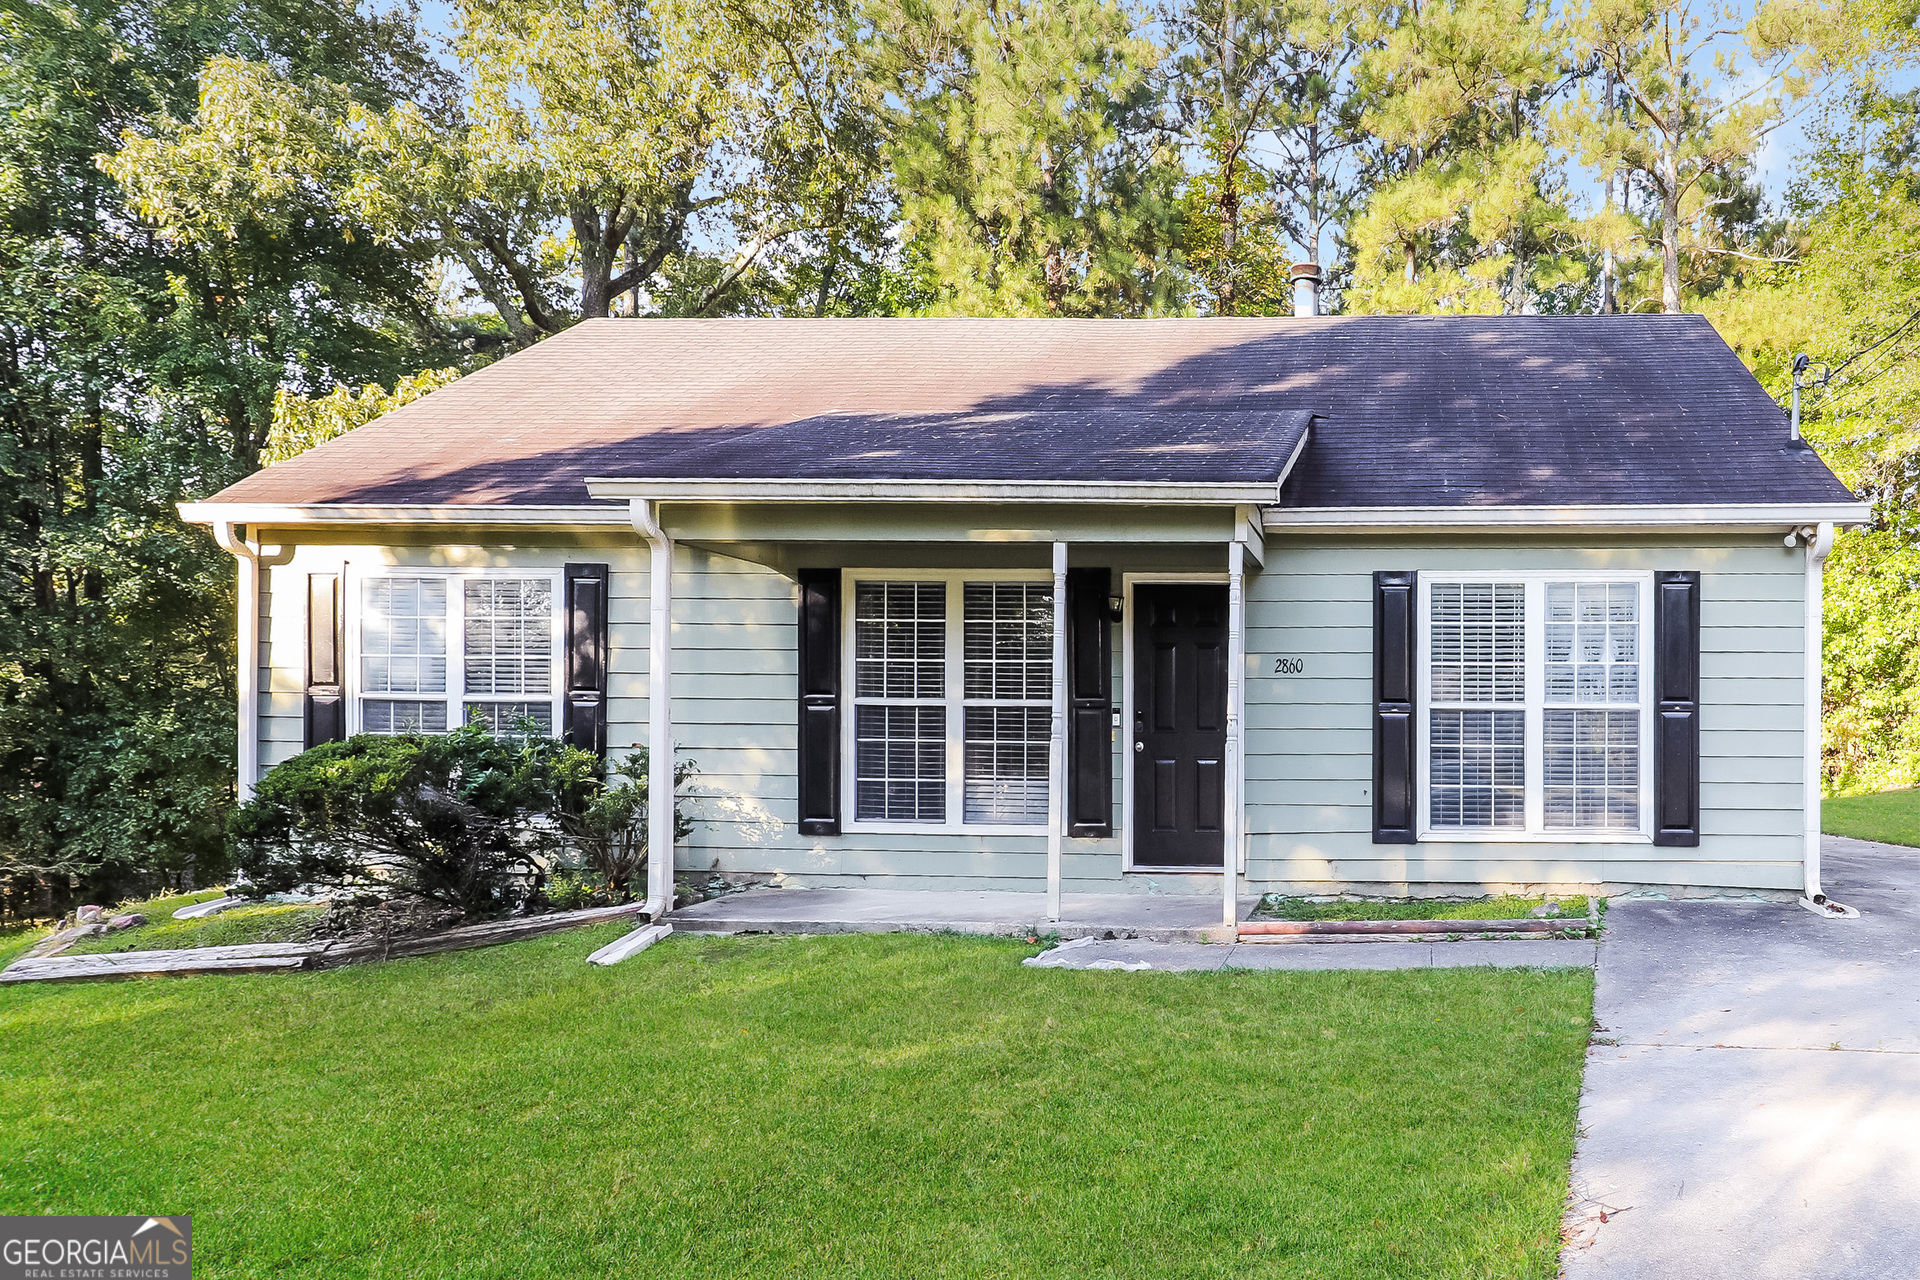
[(1757, 1113)]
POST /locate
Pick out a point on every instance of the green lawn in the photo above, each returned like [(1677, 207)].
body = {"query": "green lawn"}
[(1892, 816), (1277, 907), (890, 1105)]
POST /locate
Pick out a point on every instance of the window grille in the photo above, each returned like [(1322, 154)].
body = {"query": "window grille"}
[(1591, 760), (403, 650), (953, 689), (1008, 647), (1535, 704)]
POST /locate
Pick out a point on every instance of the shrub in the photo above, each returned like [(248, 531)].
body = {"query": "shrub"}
[(469, 820), (605, 821)]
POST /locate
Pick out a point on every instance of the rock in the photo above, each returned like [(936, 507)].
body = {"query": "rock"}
[(132, 919), (88, 914), (1545, 910)]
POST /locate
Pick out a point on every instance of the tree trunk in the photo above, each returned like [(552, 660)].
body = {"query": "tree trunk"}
[(1669, 228), (1054, 260), (1227, 294)]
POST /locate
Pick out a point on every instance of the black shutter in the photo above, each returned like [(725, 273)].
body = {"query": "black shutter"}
[(1676, 712), (1089, 704), (819, 702), (1394, 791), (584, 708), (326, 711)]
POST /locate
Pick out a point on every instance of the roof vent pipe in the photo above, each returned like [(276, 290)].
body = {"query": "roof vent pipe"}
[(1306, 288)]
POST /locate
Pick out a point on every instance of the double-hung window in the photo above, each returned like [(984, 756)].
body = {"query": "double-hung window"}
[(435, 650), (952, 679), (1535, 705)]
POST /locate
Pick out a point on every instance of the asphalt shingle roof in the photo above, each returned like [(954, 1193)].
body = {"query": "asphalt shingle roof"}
[(1406, 411)]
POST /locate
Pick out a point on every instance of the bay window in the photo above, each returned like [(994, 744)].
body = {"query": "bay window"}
[(435, 650), (1535, 706), (952, 679)]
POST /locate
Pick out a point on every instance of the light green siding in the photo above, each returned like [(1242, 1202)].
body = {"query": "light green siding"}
[(1309, 737)]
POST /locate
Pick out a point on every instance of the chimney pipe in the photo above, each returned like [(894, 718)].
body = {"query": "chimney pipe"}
[(1306, 288)]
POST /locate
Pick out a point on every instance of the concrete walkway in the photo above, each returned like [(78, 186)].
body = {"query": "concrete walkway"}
[(1757, 1114)]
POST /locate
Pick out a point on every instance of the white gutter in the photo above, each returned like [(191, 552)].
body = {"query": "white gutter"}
[(1061, 491), (281, 513), (1819, 542), (247, 748), (660, 752), (1057, 735), (1623, 516)]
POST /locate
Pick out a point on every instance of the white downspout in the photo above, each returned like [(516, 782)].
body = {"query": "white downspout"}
[(660, 751), (1057, 736), (248, 718), (1818, 542), (1236, 682)]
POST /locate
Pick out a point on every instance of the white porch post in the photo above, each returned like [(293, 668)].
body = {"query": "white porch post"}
[(1057, 736), (248, 720), (1236, 688), (660, 750)]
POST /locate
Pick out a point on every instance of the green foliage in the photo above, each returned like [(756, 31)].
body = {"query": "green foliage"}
[(464, 819), (605, 820), (301, 422), (1029, 172), (875, 1105), (1501, 907), (1848, 301), (467, 819)]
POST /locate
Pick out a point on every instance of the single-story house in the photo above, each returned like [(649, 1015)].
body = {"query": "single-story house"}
[(1383, 605)]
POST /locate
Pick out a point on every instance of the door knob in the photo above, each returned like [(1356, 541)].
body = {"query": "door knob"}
[(1139, 746)]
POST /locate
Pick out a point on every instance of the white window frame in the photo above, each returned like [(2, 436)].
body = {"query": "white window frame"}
[(953, 699), (1534, 708), (456, 691)]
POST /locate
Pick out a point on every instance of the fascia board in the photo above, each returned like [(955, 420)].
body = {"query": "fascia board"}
[(268, 513), (946, 491), (1620, 517)]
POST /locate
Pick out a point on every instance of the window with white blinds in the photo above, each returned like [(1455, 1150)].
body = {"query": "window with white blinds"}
[(1536, 703), (899, 694), (436, 650), (1008, 630), (952, 679), (509, 641)]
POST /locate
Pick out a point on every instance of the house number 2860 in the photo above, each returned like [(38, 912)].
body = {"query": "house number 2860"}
[(1289, 666)]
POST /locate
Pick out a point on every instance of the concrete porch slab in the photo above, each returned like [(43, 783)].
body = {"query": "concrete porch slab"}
[(1148, 917)]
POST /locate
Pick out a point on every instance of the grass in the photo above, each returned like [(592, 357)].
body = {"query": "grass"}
[(1277, 907), (268, 922), (15, 939), (1890, 816), (863, 1105)]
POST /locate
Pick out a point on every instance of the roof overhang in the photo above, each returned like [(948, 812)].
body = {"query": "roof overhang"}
[(1623, 518), (275, 513)]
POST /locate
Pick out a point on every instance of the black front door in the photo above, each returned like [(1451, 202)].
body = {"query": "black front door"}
[(1179, 725)]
